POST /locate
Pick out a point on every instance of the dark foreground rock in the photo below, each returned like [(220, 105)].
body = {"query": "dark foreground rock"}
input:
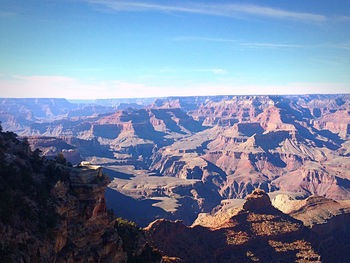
[(51, 212)]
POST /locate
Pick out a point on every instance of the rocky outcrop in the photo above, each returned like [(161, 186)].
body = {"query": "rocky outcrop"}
[(51, 212), (257, 200), (89, 232), (327, 221), (258, 232)]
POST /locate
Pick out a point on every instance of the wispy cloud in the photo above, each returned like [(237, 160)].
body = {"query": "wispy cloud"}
[(224, 40), (37, 86), (275, 13), (72, 88), (271, 45), (228, 10), (345, 45), (286, 89)]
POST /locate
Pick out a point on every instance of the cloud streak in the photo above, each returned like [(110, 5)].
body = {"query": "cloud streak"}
[(272, 45), (37, 86), (345, 46), (226, 10), (72, 88)]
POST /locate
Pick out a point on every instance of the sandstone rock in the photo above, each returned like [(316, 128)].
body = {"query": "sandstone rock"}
[(257, 200)]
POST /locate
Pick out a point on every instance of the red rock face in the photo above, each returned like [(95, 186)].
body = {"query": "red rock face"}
[(285, 145), (259, 142), (337, 122), (100, 208), (230, 144)]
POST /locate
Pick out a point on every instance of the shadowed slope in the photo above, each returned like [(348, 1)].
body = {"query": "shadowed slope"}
[(257, 233)]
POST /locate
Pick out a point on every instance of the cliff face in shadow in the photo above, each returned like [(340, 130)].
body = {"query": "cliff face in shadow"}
[(328, 220), (258, 232), (51, 212)]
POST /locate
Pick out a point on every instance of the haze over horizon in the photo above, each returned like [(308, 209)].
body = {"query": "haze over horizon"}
[(91, 49)]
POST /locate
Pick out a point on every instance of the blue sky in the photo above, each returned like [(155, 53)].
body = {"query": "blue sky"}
[(105, 48)]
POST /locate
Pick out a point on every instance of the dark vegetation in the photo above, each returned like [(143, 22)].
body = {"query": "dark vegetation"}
[(26, 178), (26, 202), (130, 232)]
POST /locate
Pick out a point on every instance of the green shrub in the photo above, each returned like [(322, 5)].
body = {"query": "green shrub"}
[(128, 231)]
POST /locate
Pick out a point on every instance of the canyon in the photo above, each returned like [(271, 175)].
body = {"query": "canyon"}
[(210, 179), (179, 157)]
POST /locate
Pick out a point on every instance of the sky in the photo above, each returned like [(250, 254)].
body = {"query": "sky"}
[(92, 49)]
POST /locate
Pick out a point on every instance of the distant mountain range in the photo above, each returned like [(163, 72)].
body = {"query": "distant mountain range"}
[(177, 157), (51, 211)]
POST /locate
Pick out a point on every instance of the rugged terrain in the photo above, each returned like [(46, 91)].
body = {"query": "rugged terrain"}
[(53, 212), (178, 157), (256, 232)]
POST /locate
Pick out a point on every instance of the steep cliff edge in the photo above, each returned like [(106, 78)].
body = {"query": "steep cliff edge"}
[(50, 212)]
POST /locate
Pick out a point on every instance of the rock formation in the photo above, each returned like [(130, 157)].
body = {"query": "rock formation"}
[(222, 146), (329, 221), (51, 146), (256, 233), (50, 212)]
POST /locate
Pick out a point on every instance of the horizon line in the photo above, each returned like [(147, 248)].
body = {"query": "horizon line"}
[(180, 96)]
